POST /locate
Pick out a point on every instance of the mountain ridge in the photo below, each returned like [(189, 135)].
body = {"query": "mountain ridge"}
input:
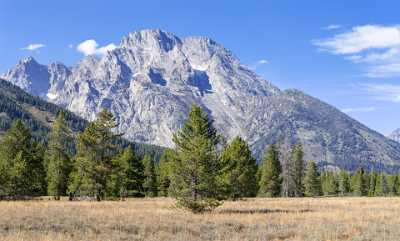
[(151, 79)]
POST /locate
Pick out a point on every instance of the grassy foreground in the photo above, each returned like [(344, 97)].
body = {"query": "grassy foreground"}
[(157, 219)]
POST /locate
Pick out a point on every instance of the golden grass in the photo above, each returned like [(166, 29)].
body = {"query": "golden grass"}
[(157, 219)]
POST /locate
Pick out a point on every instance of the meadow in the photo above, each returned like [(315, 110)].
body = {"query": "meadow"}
[(345, 218)]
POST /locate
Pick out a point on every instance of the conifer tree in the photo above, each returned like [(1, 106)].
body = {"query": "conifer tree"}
[(165, 171), (297, 170), (196, 170), (22, 162), (135, 174), (329, 183), (381, 188), (359, 185), (117, 184), (270, 181), (394, 185), (150, 181), (58, 158), (343, 183), (239, 170), (96, 148), (372, 183), (312, 181)]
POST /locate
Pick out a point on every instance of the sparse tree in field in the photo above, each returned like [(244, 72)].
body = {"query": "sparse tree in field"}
[(150, 181), (21, 160), (270, 181), (92, 164), (196, 170), (312, 181), (165, 171), (297, 170), (329, 183), (58, 158), (373, 176), (343, 183), (381, 188), (359, 185), (239, 170)]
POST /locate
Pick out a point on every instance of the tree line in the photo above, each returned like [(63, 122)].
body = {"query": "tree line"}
[(200, 172)]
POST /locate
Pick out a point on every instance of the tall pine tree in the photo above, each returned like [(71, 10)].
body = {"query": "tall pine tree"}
[(270, 180), (240, 170), (150, 181), (359, 185), (196, 170), (96, 148), (297, 170), (58, 158), (312, 181)]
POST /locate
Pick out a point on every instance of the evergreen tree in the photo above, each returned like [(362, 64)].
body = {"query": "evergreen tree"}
[(394, 185), (343, 183), (312, 181), (135, 174), (150, 181), (381, 188), (196, 170), (96, 148), (372, 183), (58, 157), (240, 170), (21, 161), (297, 170), (359, 185), (118, 182), (165, 171), (270, 181), (329, 183)]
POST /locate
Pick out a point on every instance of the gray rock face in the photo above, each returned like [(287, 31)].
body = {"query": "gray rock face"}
[(395, 135), (150, 81)]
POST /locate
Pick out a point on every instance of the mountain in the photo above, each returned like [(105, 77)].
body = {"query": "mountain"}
[(152, 78), (39, 114), (395, 135)]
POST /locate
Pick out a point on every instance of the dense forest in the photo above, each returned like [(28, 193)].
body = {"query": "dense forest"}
[(200, 172)]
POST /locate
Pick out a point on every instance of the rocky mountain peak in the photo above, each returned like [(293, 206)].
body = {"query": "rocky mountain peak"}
[(150, 40)]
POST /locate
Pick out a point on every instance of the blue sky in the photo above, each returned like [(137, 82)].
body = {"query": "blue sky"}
[(346, 53)]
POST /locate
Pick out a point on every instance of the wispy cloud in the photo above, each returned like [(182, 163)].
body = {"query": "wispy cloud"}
[(378, 47), (359, 109), (91, 47), (259, 63), (384, 92), (332, 27), (32, 47)]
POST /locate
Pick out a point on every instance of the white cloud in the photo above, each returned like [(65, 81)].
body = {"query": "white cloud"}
[(91, 47), (376, 46), (332, 27), (32, 47), (359, 109), (385, 92), (71, 46), (259, 63)]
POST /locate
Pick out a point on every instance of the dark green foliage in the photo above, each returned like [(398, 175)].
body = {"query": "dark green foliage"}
[(58, 157), (165, 171), (329, 183), (359, 183), (118, 180), (297, 170), (135, 173), (270, 180), (21, 163), (92, 165), (343, 183), (196, 168), (394, 185), (150, 177), (381, 188), (312, 181), (239, 170), (373, 176)]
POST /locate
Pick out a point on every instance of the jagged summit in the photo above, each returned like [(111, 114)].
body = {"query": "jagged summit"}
[(150, 81)]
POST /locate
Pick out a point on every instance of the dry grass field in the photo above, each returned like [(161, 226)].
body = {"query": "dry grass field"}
[(157, 219)]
